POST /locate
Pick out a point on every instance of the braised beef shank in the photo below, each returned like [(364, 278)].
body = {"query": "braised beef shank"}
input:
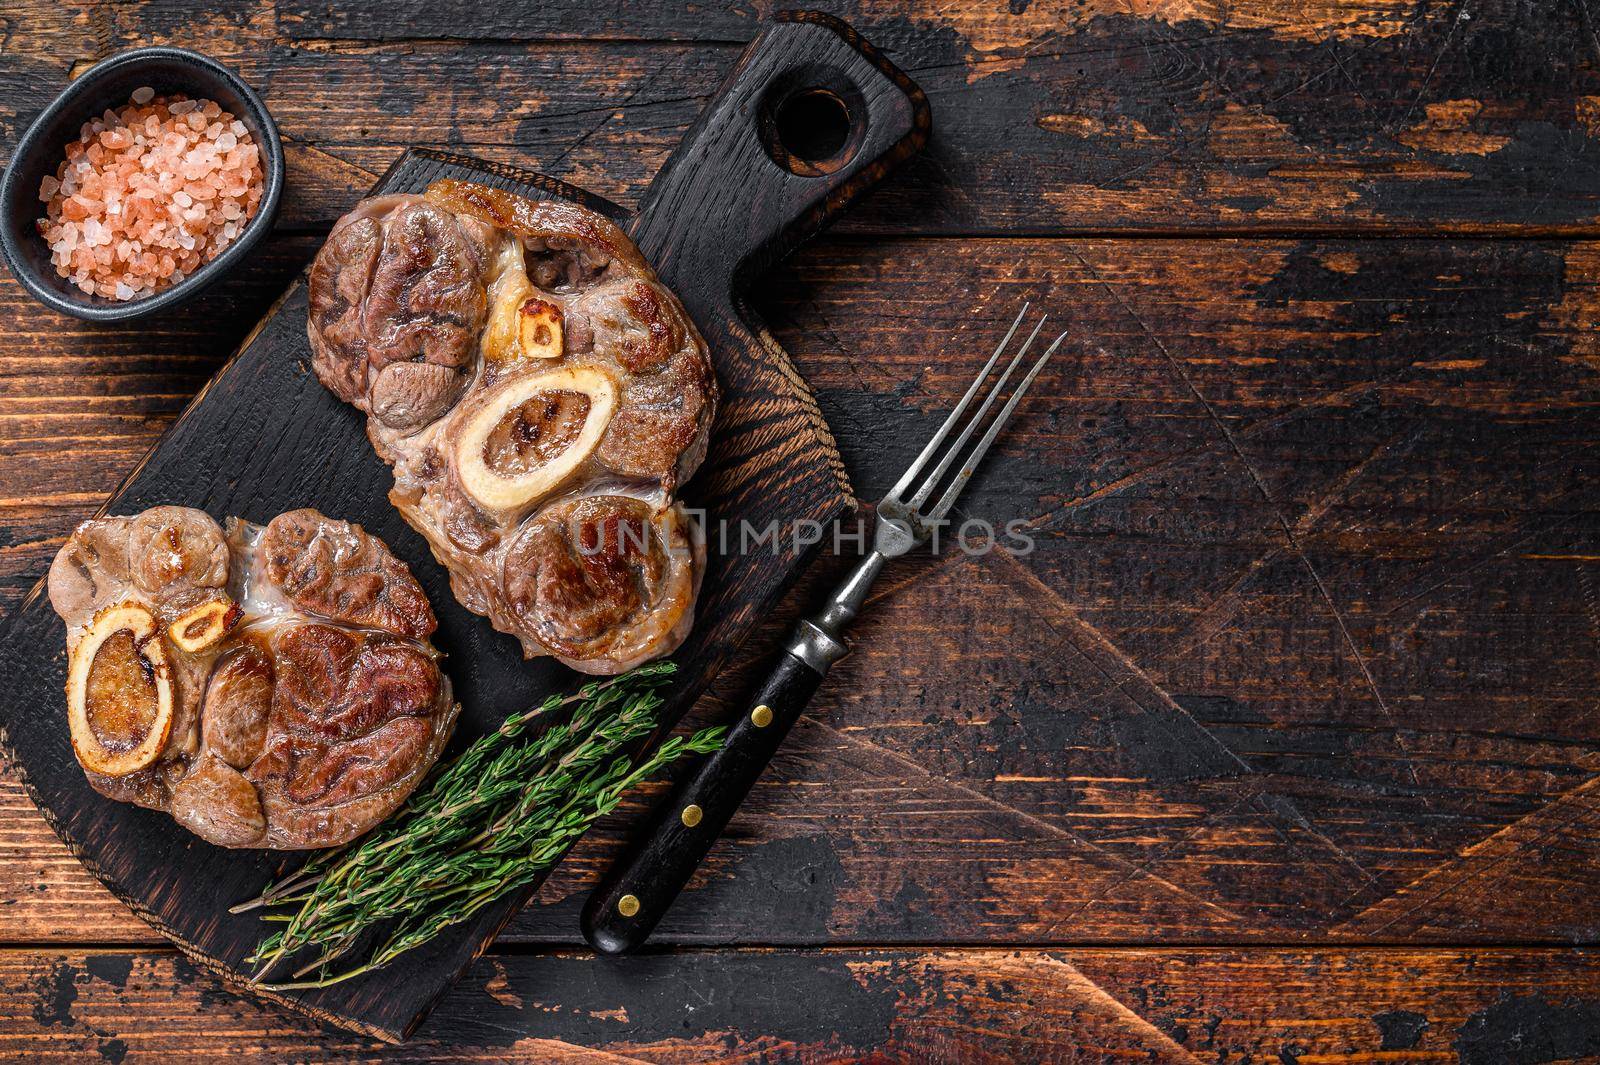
[(268, 687), (528, 378)]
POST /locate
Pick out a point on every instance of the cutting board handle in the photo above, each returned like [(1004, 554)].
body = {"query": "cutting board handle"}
[(810, 117)]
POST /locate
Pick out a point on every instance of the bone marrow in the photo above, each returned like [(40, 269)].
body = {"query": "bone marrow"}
[(555, 372), (539, 330), (119, 692), (531, 434), (204, 624)]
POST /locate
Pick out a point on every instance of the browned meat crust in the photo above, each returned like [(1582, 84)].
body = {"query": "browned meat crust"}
[(315, 704), (515, 357)]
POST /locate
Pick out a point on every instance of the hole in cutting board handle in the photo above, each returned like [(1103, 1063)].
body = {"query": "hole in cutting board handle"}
[(813, 121), (813, 126)]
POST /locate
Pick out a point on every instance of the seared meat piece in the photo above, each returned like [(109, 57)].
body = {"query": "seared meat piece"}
[(273, 687), (396, 308), (514, 357), (335, 570), (659, 430), (604, 578)]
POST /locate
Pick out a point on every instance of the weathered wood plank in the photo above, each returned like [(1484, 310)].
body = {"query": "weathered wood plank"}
[(1484, 1007), (1272, 334), (81, 403), (1316, 540), (805, 862), (1311, 618), (1467, 892), (264, 438), (925, 30), (1379, 116)]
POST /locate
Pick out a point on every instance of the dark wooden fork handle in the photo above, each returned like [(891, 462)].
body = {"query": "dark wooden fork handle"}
[(638, 889)]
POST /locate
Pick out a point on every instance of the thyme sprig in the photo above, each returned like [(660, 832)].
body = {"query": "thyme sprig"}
[(490, 822)]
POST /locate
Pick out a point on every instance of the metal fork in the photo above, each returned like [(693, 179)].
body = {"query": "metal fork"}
[(639, 888)]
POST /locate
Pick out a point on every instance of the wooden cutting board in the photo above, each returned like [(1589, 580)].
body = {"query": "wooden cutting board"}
[(809, 117)]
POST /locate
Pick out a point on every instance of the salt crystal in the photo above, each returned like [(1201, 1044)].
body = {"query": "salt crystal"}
[(148, 194)]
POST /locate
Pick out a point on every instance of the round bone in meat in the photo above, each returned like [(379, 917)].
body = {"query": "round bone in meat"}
[(526, 437), (119, 692)]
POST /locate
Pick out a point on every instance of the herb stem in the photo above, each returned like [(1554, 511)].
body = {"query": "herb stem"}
[(488, 823)]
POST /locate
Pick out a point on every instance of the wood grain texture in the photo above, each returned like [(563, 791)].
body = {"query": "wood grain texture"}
[(1078, 1007), (1306, 650), (264, 437), (1310, 619), (1377, 115)]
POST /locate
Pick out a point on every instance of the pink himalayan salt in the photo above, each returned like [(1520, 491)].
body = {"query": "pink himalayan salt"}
[(149, 194)]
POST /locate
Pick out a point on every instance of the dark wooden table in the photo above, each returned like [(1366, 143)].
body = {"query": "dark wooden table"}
[(1282, 746)]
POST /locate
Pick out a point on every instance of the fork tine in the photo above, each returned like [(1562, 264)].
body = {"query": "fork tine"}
[(954, 449), (955, 415), (950, 494)]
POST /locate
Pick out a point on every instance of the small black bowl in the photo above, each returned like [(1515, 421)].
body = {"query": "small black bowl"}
[(108, 85)]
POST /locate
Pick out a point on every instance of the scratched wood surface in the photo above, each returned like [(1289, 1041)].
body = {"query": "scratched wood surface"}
[(1304, 654), (1088, 1006)]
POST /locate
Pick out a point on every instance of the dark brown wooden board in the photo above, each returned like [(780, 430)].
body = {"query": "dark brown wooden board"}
[(264, 437)]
